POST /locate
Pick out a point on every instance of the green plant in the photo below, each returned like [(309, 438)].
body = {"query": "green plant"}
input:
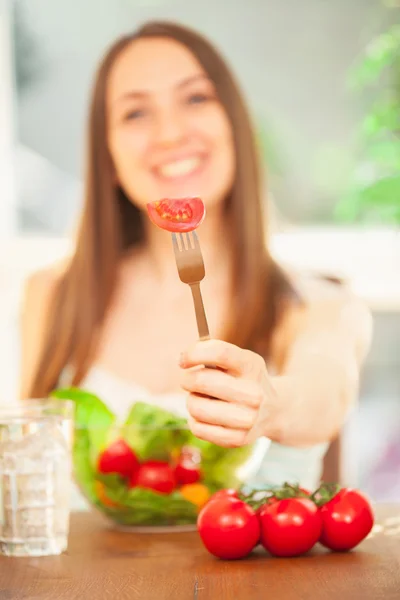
[(374, 192)]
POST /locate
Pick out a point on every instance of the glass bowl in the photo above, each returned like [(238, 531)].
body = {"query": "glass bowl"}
[(150, 472)]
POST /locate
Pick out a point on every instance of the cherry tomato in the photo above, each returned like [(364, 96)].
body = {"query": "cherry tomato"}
[(224, 493), (346, 520), (187, 470), (118, 458), (290, 527), (177, 215), (154, 475), (228, 528)]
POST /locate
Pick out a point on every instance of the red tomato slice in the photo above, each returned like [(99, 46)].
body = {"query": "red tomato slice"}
[(177, 216), (118, 458), (155, 475), (290, 527), (346, 520)]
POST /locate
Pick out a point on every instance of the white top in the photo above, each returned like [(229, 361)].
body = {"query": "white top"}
[(279, 463)]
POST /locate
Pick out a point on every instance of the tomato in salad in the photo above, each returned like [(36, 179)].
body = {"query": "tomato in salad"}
[(155, 475), (228, 527), (289, 527), (177, 216), (188, 469), (346, 520), (118, 458)]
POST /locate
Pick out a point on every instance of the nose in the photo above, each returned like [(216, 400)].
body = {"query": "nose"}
[(170, 127)]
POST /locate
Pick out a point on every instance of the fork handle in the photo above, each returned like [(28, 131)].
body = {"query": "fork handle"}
[(201, 318), (202, 325)]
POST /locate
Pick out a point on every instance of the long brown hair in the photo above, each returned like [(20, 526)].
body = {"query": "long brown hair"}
[(110, 224)]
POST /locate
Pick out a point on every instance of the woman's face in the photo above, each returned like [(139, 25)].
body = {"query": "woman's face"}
[(168, 134)]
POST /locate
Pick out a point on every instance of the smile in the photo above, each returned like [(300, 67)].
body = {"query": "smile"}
[(179, 168)]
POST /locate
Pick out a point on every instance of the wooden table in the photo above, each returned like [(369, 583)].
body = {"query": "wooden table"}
[(107, 564)]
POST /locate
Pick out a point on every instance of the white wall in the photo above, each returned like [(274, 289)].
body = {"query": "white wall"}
[(7, 183)]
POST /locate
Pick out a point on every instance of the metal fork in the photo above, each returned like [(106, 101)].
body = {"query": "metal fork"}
[(189, 261)]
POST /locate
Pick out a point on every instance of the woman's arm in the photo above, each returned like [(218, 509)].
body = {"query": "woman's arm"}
[(306, 404), (320, 378)]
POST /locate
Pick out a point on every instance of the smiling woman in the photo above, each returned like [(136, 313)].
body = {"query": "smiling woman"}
[(167, 120), (179, 107)]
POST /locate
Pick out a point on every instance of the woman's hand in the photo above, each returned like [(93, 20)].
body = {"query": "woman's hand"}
[(234, 404), (306, 404)]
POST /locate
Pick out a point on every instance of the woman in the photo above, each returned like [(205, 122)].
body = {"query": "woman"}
[(167, 120)]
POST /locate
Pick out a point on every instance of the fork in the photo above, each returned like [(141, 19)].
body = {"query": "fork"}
[(189, 261)]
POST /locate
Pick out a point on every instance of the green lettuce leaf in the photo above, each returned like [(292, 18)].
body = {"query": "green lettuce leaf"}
[(146, 507), (139, 506), (91, 416), (154, 433), (223, 473), (115, 485), (93, 423), (84, 472), (210, 453)]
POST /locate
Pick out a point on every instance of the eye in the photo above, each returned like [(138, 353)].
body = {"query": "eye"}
[(198, 98), (134, 114)]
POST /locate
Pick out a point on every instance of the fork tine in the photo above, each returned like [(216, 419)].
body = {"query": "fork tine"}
[(196, 240), (175, 243), (182, 241), (189, 241)]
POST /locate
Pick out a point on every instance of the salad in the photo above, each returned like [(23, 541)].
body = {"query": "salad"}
[(150, 470)]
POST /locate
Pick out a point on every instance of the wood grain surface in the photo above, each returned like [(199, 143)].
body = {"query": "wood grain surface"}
[(105, 564)]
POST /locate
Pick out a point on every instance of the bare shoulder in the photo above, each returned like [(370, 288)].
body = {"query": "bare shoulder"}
[(40, 283), (329, 308), (36, 297), (39, 287)]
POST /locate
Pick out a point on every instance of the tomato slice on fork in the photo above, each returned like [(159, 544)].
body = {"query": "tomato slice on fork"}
[(177, 216)]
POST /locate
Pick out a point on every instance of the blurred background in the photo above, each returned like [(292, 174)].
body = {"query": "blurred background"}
[(323, 82)]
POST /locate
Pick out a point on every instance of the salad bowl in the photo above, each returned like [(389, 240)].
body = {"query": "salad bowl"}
[(150, 472)]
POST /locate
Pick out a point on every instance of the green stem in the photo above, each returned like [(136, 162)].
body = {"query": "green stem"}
[(325, 493), (257, 498)]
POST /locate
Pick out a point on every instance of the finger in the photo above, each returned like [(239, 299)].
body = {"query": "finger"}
[(220, 354), (215, 412), (215, 434), (222, 385)]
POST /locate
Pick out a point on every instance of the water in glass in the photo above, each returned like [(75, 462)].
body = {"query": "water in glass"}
[(35, 476)]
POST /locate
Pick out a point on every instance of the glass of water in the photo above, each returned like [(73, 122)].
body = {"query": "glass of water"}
[(35, 477)]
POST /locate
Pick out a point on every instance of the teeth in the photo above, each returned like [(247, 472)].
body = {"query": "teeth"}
[(180, 167)]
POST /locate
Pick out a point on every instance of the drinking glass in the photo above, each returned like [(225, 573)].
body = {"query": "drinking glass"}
[(35, 477)]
